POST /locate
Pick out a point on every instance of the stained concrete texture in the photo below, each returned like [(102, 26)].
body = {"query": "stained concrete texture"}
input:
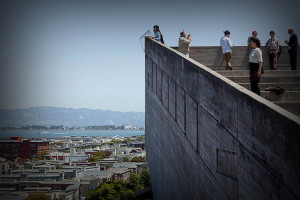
[(283, 77), (209, 138)]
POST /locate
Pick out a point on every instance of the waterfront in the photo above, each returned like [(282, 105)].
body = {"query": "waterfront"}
[(4, 134)]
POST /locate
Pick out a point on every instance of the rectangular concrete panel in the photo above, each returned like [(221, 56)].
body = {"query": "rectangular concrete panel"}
[(159, 82), (191, 121), (172, 97), (175, 167), (215, 91), (154, 79), (260, 179), (165, 89), (271, 138), (227, 163), (180, 107), (213, 138)]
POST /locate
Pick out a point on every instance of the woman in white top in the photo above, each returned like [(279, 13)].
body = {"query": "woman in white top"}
[(255, 63)]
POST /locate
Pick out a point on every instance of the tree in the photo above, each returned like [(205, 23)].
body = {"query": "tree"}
[(125, 159), (13, 166), (138, 159), (20, 161), (140, 138), (115, 141), (127, 139), (57, 143), (134, 183), (59, 167), (99, 155), (37, 196), (145, 178), (111, 190), (117, 189), (41, 156), (94, 146)]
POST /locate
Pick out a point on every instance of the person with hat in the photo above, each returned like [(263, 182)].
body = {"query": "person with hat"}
[(226, 45), (254, 35), (273, 48), (184, 43)]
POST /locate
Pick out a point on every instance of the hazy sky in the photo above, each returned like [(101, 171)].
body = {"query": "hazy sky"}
[(87, 54)]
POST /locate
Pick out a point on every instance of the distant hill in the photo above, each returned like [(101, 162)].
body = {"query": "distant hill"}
[(52, 116)]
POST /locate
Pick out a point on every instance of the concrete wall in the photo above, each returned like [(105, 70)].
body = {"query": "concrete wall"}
[(209, 138)]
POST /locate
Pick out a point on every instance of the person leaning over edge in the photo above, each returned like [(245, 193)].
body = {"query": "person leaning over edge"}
[(184, 43), (255, 63), (273, 48), (226, 45), (293, 48)]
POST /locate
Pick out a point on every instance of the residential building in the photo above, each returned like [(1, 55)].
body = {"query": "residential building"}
[(24, 148)]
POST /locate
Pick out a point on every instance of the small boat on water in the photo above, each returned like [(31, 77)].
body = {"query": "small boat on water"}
[(44, 132)]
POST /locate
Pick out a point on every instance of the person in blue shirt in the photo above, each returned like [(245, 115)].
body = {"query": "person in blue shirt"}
[(157, 34), (226, 45)]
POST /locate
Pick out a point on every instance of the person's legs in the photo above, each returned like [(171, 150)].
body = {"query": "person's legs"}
[(254, 80), (270, 59), (275, 59), (226, 60), (293, 60), (227, 57), (255, 88)]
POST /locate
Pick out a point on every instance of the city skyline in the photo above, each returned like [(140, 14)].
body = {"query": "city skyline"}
[(88, 55)]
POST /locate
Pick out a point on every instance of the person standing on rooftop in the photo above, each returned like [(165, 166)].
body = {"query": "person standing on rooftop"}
[(254, 35), (157, 34), (184, 43), (273, 48), (226, 45), (255, 63), (293, 48)]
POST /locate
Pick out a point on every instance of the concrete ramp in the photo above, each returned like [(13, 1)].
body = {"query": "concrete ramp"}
[(207, 137)]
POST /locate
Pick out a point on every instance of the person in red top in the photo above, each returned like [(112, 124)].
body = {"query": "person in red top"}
[(254, 35)]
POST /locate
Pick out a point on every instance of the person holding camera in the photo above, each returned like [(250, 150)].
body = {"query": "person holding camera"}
[(184, 43)]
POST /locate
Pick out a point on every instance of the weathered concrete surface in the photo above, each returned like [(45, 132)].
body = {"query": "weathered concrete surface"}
[(282, 77), (210, 138)]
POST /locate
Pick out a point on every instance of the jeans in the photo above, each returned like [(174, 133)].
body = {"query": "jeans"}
[(273, 59), (293, 59)]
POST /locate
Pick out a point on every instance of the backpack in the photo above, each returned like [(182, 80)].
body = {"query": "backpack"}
[(161, 38)]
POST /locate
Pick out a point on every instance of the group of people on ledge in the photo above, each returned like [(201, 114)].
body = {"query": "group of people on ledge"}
[(272, 45), (255, 53)]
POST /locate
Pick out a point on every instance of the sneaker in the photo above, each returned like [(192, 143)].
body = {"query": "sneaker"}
[(230, 68)]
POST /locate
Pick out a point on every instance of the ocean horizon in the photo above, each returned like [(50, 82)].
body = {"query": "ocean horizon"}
[(5, 134)]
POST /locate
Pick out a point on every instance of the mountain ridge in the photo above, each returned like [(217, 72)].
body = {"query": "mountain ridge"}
[(51, 116)]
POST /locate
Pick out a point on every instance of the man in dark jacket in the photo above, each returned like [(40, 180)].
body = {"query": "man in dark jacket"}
[(293, 47)]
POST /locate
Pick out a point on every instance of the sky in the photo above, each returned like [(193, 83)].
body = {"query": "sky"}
[(87, 54)]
